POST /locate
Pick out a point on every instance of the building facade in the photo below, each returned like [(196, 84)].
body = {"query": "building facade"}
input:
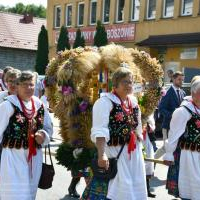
[(18, 40), (168, 29)]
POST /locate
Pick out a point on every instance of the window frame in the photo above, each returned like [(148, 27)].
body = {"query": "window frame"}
[(182, 6), (133, 19), (103, 13), (79, 3), (147, 11), (117, 10), (66, 14), (93, 1), (164, 8), (55, 16)]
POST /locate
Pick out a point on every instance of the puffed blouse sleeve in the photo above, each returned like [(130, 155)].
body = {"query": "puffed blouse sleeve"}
[(178, 124), (47, 127), (100, 119)]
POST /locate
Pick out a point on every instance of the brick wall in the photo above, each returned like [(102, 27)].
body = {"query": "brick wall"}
[(18, 58)]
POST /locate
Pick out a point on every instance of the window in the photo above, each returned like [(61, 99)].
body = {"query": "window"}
[(93, 11), (80, 13), (189, 53), (187, 6), (120, 10), (151, 9), (69, 15), (135, 7), (106, 11), (57, 15), (168, 10)]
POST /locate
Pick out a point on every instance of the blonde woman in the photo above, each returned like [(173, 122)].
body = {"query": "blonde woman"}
[(10, 78)]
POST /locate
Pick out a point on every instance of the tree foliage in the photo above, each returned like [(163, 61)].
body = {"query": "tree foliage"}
[(63, 40), (100, 38), (79, 40), (20, 8), (42, 51)]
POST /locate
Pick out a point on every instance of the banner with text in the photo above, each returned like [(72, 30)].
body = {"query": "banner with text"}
[(115, 33)]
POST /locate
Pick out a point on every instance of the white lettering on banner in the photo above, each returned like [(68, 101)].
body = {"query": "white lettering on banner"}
[(115, 33), (87, 34), (120, 33), (72, 36), (93, 34)]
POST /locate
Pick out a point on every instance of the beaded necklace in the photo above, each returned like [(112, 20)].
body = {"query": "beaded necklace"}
[(29, 113), (127, 109)]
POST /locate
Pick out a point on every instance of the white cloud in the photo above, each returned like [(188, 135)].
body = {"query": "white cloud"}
[(12, 3)]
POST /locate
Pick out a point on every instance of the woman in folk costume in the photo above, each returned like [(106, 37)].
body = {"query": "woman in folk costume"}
[(117, 119), (148, 138), (3, 86), (185, 133), (173, 170), (21, 134), (10, 79)]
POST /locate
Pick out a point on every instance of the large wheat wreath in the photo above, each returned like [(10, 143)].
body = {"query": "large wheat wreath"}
[(74, 80)]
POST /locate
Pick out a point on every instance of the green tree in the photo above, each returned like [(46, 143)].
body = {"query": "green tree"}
[(82, 41), (79, 40), (100, 38), (32, 9), (63, 40), (2, 8), (42, 51), (20, 8)]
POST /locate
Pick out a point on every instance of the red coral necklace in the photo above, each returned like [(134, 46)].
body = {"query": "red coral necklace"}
[(127, 109), (29, 113)]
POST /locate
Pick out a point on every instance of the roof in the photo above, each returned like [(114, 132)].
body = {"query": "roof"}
[(171, 40), (14, 34)]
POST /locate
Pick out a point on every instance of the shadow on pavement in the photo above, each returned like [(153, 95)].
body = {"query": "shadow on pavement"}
[(67, 197), (155, 182)]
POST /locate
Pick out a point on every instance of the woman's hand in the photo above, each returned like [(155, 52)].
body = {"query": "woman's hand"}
[(168, 163), (39, 137), (103, 161), (102, 157)]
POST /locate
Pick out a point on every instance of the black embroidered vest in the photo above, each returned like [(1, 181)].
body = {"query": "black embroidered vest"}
[(191, 138), (16, 133), (121, 125)]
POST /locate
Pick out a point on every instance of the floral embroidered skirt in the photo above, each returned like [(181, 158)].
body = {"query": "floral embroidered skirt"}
[(96, 190), (173, 174)]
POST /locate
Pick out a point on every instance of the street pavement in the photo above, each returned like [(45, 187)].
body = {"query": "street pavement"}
[(62, 177)]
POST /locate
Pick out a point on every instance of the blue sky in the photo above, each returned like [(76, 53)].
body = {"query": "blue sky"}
[(12, 3)]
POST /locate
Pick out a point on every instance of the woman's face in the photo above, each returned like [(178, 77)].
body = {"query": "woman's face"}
[(26, 89), (125, 86), (11, 85)]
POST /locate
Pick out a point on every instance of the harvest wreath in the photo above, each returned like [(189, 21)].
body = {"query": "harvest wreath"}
[(74, 80)]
